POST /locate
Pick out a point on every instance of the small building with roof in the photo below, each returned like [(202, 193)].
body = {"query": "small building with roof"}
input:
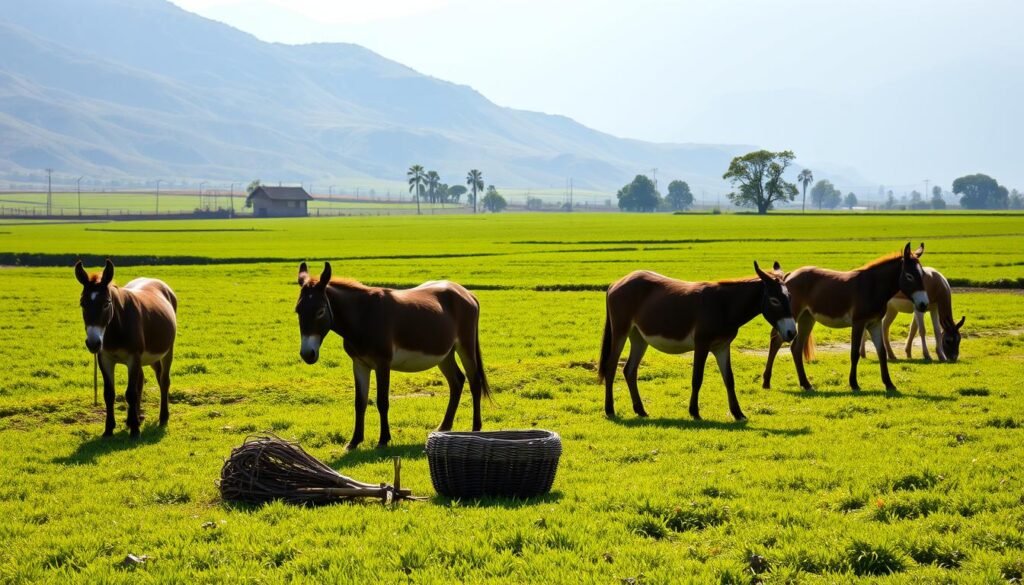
[(278, 201)]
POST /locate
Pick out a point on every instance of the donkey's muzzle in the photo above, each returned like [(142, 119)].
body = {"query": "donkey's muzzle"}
[(310, 356), (920, 299), (93, 345)]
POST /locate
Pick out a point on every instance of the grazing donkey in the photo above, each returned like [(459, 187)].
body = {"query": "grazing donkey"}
[(947, 332), (134, 325), (856, 299), (403, 330), (677, 317)]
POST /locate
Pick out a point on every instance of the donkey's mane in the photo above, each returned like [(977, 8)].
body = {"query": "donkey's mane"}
[(347, 283), (883, 260)]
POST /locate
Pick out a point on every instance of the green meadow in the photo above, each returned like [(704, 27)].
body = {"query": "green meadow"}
[(919, 486)]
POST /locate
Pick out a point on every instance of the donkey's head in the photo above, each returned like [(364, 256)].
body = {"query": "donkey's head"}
[(775, 303), (97, 306), (951, 339), (314, 311), (912, 278)]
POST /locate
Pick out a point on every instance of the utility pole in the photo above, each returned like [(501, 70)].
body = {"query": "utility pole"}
[(201, 194), (654, 178), (158, 181), (79, 182), (232, 199), (330, 192), (49, 192)]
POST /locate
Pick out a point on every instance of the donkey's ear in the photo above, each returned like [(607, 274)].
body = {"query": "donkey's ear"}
[(961, 322), (919, 251), (761, 273), (777, 268), (80, 273), (303, 274), (906, 251), (325, 276), (108, 273)]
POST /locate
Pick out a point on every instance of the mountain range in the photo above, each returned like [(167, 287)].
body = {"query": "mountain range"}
[(141, 89)]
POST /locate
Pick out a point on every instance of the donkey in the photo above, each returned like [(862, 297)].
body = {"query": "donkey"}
[(947, 332), (403, 330), (134, 325), (677, 317), (856, 299)]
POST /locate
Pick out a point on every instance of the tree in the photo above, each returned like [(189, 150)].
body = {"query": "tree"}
[(493, 201), (1016, 200), (806, 177), (917, 201), (455, 192), (475, 181), (757, 178), (890, 202), (679, 196), (937, 201), (416, 181), (640, 195), (433, 181), (442, 193), (824, 194), (253, 185), (851, 200), (981, 192), (534, 203)]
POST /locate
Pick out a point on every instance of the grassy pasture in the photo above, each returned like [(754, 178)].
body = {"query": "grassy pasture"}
[(920, 486)]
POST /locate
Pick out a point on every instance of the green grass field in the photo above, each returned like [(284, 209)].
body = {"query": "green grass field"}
[(827, 486)]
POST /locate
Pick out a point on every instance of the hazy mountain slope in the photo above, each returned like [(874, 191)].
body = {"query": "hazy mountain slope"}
[(141, 88)]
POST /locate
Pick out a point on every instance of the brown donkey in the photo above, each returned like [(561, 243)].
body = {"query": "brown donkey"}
[(134, 325), (940, 306), (677, 317), (856, 299), (403, 330)]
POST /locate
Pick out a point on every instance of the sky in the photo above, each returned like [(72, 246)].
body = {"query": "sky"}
[(883, 92)]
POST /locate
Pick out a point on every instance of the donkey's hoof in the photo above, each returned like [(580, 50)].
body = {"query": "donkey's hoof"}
[(108, 433), (640, 412), (891, 389), (610, 413), (135, 434), (381, 445), (739, 416), (695, 415), (351, 446)]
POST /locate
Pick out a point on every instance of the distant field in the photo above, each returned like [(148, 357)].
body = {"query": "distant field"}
[(920, 486), (170, 202)]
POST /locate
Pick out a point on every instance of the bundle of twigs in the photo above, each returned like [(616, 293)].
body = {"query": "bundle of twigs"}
[(267, 468)]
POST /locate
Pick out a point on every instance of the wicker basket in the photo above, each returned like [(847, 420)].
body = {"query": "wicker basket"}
[(518, 464)]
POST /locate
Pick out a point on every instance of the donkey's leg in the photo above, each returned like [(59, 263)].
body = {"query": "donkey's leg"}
[(857, 335), (911, 334), (922, 330), (383, 390), (774, 344), (804, 327), (637, 348), (722, 356), (467, 353), (133, 395), (890, 317), (163, 378), (937, 332), (618, 343), (109, 394), (700, 358), (361, 374), (875, 330), (456, 382)]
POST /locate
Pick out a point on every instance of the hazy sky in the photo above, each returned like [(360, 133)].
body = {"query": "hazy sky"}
[(873, 85)]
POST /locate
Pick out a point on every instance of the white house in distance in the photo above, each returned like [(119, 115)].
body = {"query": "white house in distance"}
[(278, 201)]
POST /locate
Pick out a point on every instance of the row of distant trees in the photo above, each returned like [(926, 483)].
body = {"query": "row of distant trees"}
[(758, 182), (427, 186)]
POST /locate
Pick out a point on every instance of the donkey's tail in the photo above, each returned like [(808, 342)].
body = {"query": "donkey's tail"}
[(606, 349), (809, 348), (480, 374)]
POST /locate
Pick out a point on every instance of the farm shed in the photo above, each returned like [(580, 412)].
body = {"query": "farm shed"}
[(278, 201)]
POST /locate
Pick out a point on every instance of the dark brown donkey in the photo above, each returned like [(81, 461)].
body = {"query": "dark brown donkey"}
[(403, 330), (856, 299), (676, 317), (134, 325)]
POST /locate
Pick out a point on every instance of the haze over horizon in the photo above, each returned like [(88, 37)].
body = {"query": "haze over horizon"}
[(897, 93)]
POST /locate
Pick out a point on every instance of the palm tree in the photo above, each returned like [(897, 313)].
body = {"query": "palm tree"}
[(416, 179), (433, 181), (806, 177), (475, 181)]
